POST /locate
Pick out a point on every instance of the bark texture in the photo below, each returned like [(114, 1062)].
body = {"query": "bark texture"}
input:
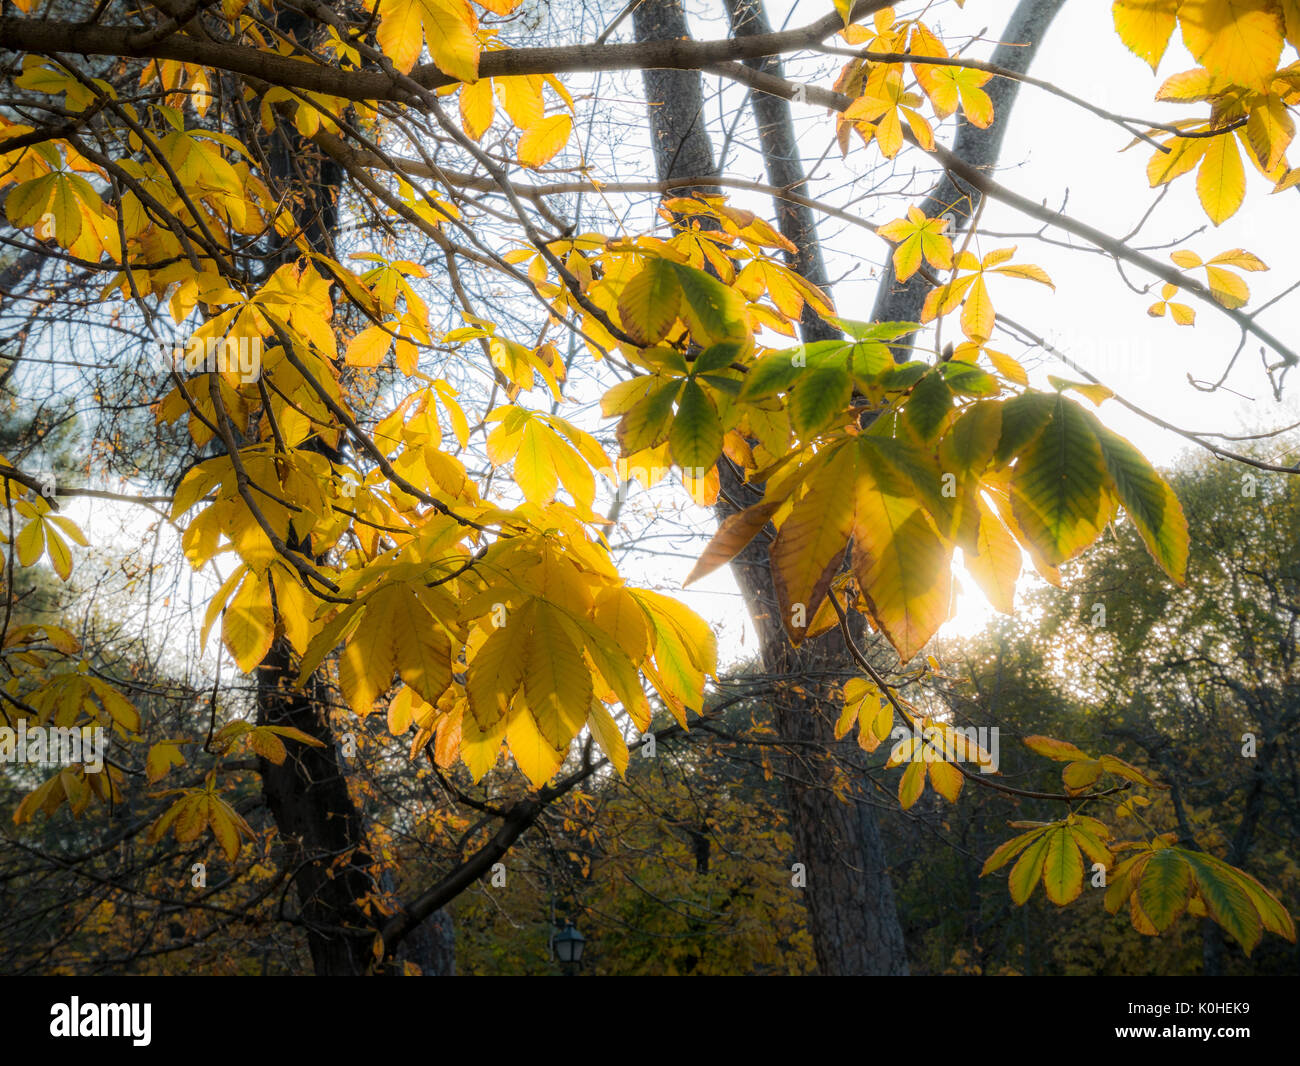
[(320, 827), (852, 915)]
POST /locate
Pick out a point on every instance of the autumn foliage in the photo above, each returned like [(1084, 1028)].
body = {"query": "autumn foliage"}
[(442, 554)]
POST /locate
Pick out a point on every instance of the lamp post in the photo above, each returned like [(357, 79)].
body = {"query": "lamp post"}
[(567, 944)]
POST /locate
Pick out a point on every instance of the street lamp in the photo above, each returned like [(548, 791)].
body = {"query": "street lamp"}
[(567, 945)]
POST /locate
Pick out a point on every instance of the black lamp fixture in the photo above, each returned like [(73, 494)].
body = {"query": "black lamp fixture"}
[(568, 944)]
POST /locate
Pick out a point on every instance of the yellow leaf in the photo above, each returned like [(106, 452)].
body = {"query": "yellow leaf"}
[(535, 466), (557, 683), (521, 96), (369, 347), (977, 317), (423, 650), (607, 735), (248, 627), (60, 557), (1008, 367), (535, 756), (161, 758), (479, 746), (368, 660), (477, 107), (996, 564), (226, 825), (1238, 258), (1226, 287), (1188, 87), (449, 25), (620, 615), (902, 566), (1239, 41), (543, 140), (1146, 26), (946, 780), (911, 784), (497, 668), (1183, 155), (810, 545), (31, 542), (1221, 181)]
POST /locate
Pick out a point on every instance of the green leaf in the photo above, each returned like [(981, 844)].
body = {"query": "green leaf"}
[(903, 376), (731, 386), (1062, 867), (874, 331), (828, 353), (696, 435), (713, 311), (1024, 417), (903, 469), (968, 379), (779, 371), (649, 303), (928, 406), (717, 356), (1224, 898), (968, 447), (1165, 887), (823, 393), (1059, 487), (645, 424), (1009, 849), (1148, 499), (870, 359), (1024, 875)]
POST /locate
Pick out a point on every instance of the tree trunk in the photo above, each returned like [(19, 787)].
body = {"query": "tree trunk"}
[(1026, 27), (784, 165), (320, 827), (852, 916), (318, 822)]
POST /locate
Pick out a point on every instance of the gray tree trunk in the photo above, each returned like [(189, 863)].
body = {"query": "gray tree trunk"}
[(852, 916)]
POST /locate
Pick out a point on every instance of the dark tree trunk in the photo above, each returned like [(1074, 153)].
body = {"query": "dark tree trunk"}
[(319, 824), (322, 830), (320, 827), (852, 916)]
